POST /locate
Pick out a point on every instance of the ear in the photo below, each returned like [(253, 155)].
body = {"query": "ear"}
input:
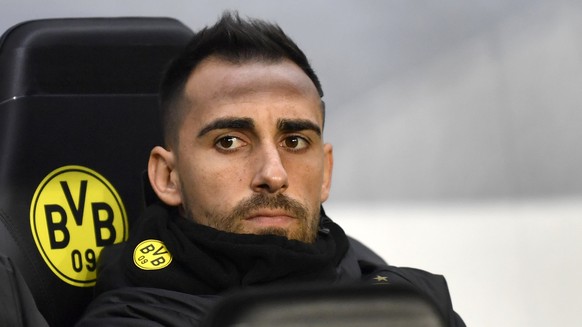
[(327, 171), (164, 177)]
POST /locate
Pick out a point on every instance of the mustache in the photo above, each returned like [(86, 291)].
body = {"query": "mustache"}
[(279, 201)]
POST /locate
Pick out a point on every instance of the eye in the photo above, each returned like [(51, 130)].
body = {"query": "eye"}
[(229, 143), (295, 143)]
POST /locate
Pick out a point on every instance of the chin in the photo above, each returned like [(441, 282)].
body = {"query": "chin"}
[(277, 231)]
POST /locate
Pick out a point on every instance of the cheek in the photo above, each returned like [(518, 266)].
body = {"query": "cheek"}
[(213, 186), (307, 179)]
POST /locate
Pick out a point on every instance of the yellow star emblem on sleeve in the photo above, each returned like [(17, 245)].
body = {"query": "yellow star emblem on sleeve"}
[(381, 279)]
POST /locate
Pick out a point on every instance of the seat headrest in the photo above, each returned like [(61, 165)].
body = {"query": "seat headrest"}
[(87, 55)]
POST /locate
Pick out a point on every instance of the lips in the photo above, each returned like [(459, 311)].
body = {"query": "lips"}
[(270, 218)]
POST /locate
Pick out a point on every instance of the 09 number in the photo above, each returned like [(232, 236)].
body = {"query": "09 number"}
[(89, 260)]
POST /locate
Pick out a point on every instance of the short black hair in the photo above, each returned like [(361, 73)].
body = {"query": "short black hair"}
[(232, 39)]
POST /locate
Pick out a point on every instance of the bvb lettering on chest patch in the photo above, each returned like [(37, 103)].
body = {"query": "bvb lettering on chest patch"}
[(151, 255)]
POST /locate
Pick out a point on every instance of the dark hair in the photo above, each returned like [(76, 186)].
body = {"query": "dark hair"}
[(232, 39)]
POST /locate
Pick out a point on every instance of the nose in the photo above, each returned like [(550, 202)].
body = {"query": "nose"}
[(270, 176)]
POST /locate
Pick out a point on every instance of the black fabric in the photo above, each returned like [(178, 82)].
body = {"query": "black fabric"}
[(432, 286), (179, 296), (209, 261), (17, 305), (148, 307)]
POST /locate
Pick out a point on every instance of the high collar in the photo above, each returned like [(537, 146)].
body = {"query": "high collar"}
[(209, 261)]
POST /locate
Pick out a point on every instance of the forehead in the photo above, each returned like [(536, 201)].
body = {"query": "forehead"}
[(217, 85)]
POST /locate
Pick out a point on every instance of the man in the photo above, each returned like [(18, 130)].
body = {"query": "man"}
[(240, 182)]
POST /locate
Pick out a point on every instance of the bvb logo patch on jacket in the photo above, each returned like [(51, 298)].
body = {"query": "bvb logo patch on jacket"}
[(151, 255)]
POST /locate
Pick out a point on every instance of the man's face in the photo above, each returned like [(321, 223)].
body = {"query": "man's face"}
[(250, 157)]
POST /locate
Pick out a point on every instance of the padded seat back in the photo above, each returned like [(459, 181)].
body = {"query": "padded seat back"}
[(326, 306), (78, 117)]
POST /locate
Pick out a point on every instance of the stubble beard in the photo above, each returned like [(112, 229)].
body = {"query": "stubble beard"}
[(305, 231)]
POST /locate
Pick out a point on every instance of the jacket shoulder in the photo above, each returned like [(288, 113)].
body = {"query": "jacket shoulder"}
[(434, 287), (372, 269), (142, 306)]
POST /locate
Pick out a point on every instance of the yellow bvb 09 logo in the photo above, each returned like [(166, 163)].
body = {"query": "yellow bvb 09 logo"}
[(74, 213), (151, 255)]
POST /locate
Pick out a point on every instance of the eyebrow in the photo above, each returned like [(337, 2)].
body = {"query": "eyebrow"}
[(297, 125), (228, 123), (283, 125)]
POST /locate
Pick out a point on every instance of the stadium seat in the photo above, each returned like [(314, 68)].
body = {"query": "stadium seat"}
[(78, 117), (326, 306)]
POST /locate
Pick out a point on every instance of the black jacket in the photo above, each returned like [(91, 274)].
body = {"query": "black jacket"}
[(201, 265), (17, 306)]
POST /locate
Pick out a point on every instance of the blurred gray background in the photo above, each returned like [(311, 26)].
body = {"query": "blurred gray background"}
[(456, 128), (428, 100)]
